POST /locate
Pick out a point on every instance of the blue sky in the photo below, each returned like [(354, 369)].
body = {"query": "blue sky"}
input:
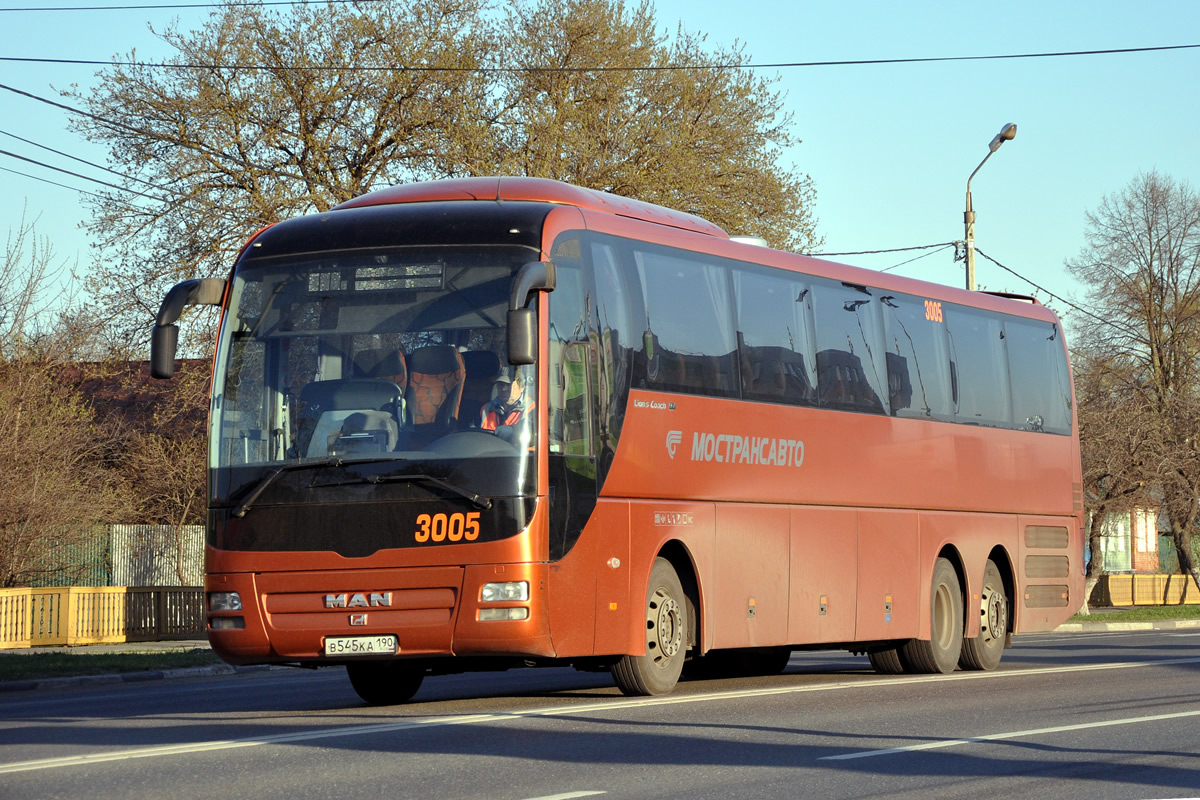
[(889, 146)]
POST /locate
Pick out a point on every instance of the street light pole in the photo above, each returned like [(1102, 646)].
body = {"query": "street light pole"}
[(1006, 133)]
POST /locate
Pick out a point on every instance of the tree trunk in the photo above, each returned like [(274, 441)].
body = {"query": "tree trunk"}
[(1088, 586), (1183, 548), (1095, 566)]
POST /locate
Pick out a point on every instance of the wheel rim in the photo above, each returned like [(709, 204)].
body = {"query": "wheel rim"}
[(994, 613), (664, 628)]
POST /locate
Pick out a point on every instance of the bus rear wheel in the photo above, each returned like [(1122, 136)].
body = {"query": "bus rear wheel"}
[(887, 661), (657, 670), (386, 683), (984, 651), (940, 653)]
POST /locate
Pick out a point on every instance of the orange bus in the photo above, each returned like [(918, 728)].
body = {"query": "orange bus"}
[(490, 422)]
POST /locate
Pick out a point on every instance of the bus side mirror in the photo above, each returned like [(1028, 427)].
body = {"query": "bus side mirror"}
[(164, 339), (522, 336), (536, 276)]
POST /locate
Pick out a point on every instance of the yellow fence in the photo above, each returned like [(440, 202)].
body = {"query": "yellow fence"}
[(65, 615), (1145, 590)]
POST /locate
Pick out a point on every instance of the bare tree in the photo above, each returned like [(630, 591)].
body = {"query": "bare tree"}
[(1116, 436), (163, 445), (1141, 264), (36, 291), (54, 488)]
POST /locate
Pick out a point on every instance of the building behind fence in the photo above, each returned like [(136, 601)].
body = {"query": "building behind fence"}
[(157, 555), (133, 555)]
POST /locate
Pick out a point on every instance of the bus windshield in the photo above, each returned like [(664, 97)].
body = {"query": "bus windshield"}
[(383, 365)]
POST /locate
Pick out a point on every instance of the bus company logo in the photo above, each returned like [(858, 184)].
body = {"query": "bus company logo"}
[(674, 518), (358, 600), (733, 448), (674, 438)]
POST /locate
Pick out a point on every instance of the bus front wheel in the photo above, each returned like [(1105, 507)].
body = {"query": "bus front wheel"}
[(940, 653), (386, 683), (657, 670), (985, 650)]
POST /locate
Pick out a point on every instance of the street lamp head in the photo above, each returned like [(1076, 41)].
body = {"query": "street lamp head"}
[(1006, 133)]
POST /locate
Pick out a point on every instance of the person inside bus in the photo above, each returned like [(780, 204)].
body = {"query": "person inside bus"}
[(509, 413)]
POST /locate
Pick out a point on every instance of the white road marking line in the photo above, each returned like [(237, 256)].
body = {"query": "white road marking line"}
[(589, 708), (995, 737), (567, 795)]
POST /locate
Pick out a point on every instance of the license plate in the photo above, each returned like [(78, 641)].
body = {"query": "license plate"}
[(360, 645)]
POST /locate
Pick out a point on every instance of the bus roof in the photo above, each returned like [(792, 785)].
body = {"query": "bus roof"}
[(538, 190), (545, 190)]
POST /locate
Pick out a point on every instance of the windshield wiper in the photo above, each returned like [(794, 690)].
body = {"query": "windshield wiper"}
[(480, 501), (261, 486)]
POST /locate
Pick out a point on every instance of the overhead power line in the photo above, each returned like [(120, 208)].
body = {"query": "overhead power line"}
[(80, 160), (52, 183), (179, 5), (198, 147), (650, 68), (80, 176), (1057, 297), (874, 252)]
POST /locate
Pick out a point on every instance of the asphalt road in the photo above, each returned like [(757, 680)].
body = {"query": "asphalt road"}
[(1088, 715)]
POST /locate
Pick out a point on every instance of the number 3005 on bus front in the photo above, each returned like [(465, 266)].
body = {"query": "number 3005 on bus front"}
[(457, 527)]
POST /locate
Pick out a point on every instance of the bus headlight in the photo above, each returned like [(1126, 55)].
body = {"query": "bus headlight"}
[(504, 592), (224, 601)]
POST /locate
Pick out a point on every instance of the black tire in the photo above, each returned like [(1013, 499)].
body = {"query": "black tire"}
[(386, 683), (940, 653), (767, 660), (984, 651), (887, 661), (657, 670)]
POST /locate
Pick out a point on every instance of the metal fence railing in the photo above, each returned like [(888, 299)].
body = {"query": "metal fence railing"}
[(75, 615), (159, 613), (1138, 589)]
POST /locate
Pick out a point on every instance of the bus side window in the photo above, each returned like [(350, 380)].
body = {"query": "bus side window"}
[(571, 360), (851, 366), (688, 344), (774, 337), (613, 334), (1037, 369), (977, 347), (919, 376)]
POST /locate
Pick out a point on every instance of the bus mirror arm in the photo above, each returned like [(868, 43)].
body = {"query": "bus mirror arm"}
[(536, 276), (164, 339)]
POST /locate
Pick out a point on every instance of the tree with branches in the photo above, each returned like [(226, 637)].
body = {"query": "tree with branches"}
[(263, 114), (55, 490), (601, 98), (1115, 433), (1141, 265)]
